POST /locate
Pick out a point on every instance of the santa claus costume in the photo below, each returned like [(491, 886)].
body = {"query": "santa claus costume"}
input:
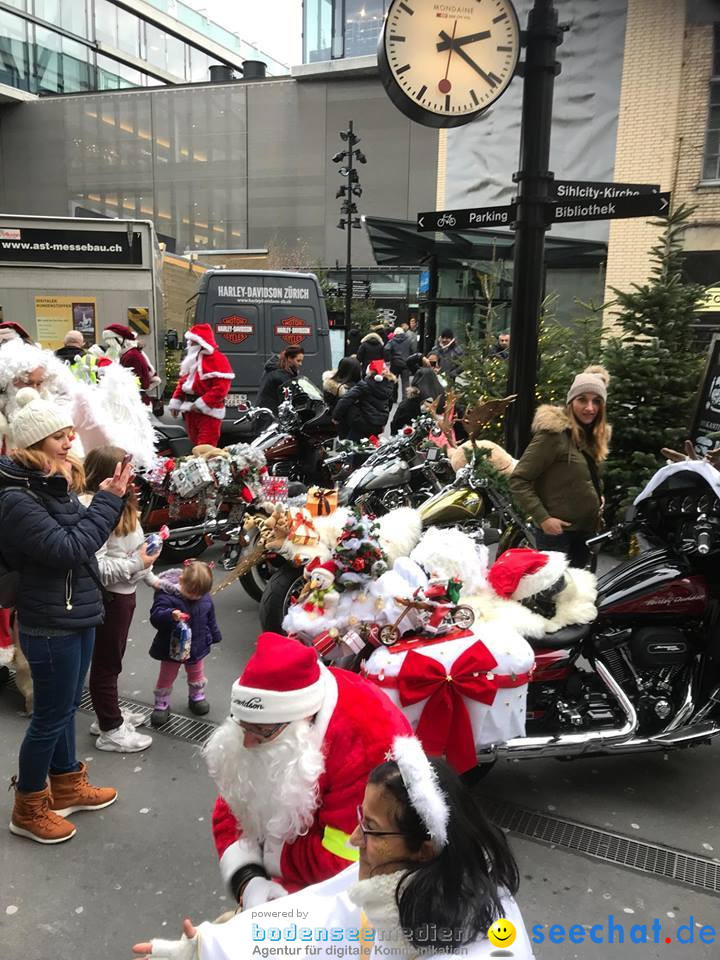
[(122, 345), (205, 378), (288, 802)]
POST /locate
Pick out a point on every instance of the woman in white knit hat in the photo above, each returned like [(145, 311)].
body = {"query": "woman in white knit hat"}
[(433, 877), (50, 539), (557, 481)]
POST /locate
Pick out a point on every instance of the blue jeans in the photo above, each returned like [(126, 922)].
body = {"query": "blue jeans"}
[(58, 666)]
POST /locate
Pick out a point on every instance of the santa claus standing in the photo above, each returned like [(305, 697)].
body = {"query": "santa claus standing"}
[(205, 378), (122, 346), (291, 764)]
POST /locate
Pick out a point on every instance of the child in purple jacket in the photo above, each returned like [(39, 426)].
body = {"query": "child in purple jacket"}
[(182, 597)]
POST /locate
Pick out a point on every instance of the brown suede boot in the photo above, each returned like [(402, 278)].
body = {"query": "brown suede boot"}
[(71, 792), (33, 818)]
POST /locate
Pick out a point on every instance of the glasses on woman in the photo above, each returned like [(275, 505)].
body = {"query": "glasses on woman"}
[(375, 833), (263, 731)]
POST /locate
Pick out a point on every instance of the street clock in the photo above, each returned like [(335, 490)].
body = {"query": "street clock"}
[(444, 63)]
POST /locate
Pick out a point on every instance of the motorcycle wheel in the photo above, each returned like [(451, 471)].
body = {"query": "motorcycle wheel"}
[(256, 580), (283, 585), (180, 550)]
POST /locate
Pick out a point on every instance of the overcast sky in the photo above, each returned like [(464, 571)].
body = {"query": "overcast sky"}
[(274, 25)]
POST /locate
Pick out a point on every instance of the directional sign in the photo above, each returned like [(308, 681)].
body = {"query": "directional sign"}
[(598, 190), (471, 218), (652, 204)]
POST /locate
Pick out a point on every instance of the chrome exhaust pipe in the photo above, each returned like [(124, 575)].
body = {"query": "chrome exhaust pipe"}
[(206, 528), (571, 744), (685, 736)]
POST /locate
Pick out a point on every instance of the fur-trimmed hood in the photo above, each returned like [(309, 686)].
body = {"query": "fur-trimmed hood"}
[(551, 419), (372, 337)]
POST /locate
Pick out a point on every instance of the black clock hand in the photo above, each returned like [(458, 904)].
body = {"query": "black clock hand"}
[(469, 60), (460, 41)]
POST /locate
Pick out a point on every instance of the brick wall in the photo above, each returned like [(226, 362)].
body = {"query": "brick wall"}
[(651, 102)]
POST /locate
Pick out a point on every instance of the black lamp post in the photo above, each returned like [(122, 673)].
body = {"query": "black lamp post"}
[(349, 220)]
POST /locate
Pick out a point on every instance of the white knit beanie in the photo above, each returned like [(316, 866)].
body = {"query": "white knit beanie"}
[(593, 379), (36, 419)]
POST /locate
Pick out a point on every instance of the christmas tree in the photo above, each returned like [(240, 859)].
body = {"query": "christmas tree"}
[(358, 554), (655, 369)]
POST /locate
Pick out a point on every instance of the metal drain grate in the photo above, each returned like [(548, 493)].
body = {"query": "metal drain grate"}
[(666, 862), (182, 728)]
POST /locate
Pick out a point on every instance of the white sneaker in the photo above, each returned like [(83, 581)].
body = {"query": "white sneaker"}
[(125, 739), (129, 716)]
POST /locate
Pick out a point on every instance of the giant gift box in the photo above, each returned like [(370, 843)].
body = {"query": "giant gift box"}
[(462, 691)]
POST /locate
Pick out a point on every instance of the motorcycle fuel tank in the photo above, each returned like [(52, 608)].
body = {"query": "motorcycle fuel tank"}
[(655, 583), (452, 506), (285, 447)]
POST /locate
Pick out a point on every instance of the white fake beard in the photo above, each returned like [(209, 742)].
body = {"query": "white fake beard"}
[(273, 788), (11, 405), (191, 359)]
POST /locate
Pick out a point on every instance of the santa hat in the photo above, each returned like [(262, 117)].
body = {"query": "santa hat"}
[(378, 368), (104, 362), (282, 682), (325, 571), (424, 791), (519, 574), (116, 331), (9, 330), (202, 334)]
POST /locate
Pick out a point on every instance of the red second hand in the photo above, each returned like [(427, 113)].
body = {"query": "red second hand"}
[(445, 86)]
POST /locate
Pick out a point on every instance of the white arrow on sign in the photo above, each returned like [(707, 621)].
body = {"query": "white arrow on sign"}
[(664, 202), (421, 222)]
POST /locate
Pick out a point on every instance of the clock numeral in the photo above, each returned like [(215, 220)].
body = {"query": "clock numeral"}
[(393, 38), (500, 49), (474, 98), (498, 19), (493, 80), (407, 9), (421, 92), (402, 69), (447, 102)]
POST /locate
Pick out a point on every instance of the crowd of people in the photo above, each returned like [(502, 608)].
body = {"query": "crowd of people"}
[(323, 793)]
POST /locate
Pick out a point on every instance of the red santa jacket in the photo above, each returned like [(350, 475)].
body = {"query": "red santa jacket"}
[(361, 724), (204, 386), (136, 361)]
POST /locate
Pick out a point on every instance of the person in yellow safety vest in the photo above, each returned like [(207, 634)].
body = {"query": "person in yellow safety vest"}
[(291, 763)]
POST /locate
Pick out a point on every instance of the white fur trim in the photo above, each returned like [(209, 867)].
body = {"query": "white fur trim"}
[(203, 343), (217, 376), (237, 855), (422, 786), (255, 705), (217, 412), (330, 699), (533, 583), (575, 604), (175, 403), (7, 655), (399, 532)]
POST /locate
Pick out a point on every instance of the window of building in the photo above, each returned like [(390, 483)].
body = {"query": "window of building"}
[(176, 56), (14, 52), (711, 160), (128, 33), (363, 21), (106, 28), (72, 16), (155, 49), (317, 30)]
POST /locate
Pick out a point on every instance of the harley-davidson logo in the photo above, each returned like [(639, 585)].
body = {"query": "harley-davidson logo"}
[(293, 330), (670, 601), (235, 329)]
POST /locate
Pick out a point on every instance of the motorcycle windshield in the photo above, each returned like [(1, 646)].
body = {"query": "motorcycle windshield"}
[(309, 388)]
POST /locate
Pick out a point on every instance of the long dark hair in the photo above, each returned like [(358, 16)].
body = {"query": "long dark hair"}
[(100, 464), (349, 371), (458, 890)]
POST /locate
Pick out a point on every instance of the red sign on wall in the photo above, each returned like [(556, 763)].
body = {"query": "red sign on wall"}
[(235, 329), (293, 330)]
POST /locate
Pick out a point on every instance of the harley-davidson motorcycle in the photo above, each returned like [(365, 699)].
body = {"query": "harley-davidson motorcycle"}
[(399, 473)]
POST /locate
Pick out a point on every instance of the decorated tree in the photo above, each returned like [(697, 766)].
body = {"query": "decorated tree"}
[(358, 554), (655, 368)]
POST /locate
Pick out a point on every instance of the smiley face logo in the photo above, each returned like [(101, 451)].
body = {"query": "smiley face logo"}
[(501, 933)]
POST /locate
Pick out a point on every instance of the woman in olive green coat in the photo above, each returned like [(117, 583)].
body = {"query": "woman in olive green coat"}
[(556, 481)]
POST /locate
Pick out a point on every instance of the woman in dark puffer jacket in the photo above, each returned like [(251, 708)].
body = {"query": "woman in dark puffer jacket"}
[(51, 540), (364, 409)]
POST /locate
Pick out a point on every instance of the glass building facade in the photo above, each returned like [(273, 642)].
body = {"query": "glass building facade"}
[(72, 46), (334, 29)]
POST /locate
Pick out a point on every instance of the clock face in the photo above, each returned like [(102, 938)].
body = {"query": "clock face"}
[(443, 62)]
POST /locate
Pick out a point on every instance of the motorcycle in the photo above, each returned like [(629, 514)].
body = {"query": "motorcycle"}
[(399, 473), (296, 446)]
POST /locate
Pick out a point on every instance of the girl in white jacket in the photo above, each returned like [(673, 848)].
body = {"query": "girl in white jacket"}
[(124, 561)]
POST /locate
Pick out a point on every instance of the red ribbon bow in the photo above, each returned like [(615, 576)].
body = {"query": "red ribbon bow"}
[(444, 726)]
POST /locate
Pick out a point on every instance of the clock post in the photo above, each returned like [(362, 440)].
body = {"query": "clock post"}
[(534, 181)]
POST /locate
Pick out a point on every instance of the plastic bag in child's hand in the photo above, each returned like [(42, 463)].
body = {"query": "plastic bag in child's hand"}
[(180, 641)]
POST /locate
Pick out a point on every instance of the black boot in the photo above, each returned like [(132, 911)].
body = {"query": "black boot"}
[(198, 707)]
